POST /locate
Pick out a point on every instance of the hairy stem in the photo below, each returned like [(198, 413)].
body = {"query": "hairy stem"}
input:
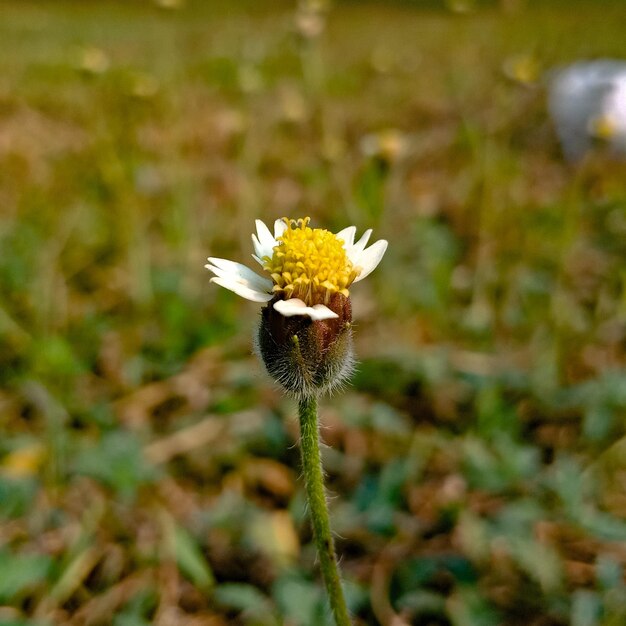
[(314, 478)]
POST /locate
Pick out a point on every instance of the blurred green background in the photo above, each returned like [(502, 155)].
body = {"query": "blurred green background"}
[(149, 470)]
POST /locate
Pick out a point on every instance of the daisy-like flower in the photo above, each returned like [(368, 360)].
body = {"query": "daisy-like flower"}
[(587, 103), (305, 332)]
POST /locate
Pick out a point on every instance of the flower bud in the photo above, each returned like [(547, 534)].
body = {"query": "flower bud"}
[(307, 357)]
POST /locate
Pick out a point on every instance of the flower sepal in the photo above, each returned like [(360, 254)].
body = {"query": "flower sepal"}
[(307, 356)]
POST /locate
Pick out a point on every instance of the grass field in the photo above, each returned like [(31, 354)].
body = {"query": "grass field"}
[(149, 470)]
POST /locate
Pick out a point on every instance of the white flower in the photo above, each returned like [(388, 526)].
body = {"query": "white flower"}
[(304, 267), (587, 102)]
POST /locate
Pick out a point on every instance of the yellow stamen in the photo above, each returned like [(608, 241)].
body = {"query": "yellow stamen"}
[(309, 263), (602, 127)]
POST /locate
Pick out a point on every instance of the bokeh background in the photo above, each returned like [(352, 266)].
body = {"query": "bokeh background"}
[(149, 470)]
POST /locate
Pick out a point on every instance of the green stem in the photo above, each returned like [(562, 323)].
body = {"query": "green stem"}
[(314, 479)]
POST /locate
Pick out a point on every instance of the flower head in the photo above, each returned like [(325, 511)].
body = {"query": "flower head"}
[(587, 102), (305, 332), (306, 266)]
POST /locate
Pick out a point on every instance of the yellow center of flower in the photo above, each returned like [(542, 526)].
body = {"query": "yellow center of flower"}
[(603, 127), (309, 263)]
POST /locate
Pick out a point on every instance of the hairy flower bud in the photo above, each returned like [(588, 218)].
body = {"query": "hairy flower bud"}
[(307, 357)]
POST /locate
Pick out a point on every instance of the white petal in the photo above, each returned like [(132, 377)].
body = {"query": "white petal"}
[(279, 228), (347, 235), (295, 306), (242, 290), (265, 241), (359, 246), (321, 312), (254, 285), (259, 250), (242, 274), (370, 258), (265, 236), (355, 251)]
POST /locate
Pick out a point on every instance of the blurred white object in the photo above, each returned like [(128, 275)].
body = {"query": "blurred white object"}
[(587, 102)]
